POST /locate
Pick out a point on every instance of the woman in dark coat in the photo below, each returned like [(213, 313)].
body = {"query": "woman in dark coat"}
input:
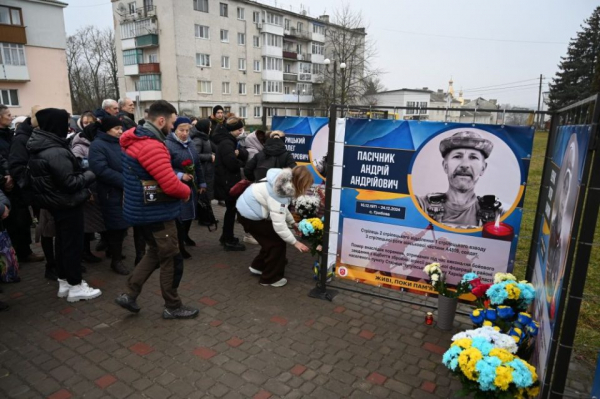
[(206, 150), (105, 162), (228, 163), (187, 166)]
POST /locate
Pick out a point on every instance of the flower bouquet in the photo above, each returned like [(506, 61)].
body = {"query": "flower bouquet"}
[(312, 231), (306, 207), (190, 168), (438, 281), (484, 361)]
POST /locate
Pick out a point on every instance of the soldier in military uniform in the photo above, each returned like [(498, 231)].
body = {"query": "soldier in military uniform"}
[(465, 154)]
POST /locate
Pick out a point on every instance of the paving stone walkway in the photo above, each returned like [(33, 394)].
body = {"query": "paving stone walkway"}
[(249, 341)]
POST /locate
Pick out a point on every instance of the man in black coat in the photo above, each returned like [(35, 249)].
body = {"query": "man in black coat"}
[(59, 185), (125, 115), (273, 155)]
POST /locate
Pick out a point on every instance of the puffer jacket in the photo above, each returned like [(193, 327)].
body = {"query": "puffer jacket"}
[(17, 163), (6, 136), (80, 146), (253, 145), (227, 164), (145, 157), (57, 181), (270, 200), (181, 152), (274, 155), (205, 149), (105, 162)]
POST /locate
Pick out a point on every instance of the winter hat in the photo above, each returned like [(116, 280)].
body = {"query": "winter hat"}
[(54, 120), (108, 122), (203, 126), (217, 108), (234, 126), (181, 120)]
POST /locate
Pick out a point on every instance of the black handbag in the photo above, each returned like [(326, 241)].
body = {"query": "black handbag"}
[(205, 214)]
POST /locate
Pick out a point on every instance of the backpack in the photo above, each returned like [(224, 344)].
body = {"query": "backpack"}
[(268, 162), (205, 215)]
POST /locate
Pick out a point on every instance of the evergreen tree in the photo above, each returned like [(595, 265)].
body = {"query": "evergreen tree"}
[(579, 74)]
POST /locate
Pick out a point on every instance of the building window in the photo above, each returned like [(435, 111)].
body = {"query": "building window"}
[(10, 97), (202, 32), (257, 89), (256, 66), (270, 39), (257, 112), (201, 5), (133, 57), (225, 62), (241, 14), (256, 41), (415, 105), (224, 9), (272, 86), (318, 48), (317, 69), (242, 64), (256, 16), (205, 112), (242, 88), (286, 90), (304, 89), (205, 86), (300, 26), (137, 28), (224, 36), (318, 29), (272, 64), (241, 39), (274, 19), (286, 24), (203, 60), (131, 7), (10, 16), (12, 54), (225, 88), (153, 58), (243, 112), (148, 83), (271, 112)]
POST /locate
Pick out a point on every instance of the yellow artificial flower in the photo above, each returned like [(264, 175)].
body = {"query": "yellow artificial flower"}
[(496, 328), (521, 394), (503, 377), (502, 354), (487, 323), (532, 370), (533, 392), (467, 361), (316, 223), (464, 343), (513, 291)]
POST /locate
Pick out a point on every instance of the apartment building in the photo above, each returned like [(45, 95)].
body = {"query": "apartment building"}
[(33, 62), (242, 54)]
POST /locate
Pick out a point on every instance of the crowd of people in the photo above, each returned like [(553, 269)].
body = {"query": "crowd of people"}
[(110, 175)]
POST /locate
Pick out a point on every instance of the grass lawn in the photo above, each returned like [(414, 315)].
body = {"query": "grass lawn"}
[(587, 341)]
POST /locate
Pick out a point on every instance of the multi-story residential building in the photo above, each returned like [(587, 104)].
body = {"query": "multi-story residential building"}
[(33, 62), (246, 56)]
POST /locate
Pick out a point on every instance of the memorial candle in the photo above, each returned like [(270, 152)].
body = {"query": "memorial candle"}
[(498, 231)]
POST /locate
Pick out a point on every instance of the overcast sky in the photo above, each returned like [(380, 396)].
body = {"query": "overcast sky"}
[(504, 44)]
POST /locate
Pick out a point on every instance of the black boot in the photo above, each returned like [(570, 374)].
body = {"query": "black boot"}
[(234, 245), (51, 273)]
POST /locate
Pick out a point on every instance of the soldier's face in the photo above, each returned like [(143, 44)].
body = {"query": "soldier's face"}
[(464, 167)]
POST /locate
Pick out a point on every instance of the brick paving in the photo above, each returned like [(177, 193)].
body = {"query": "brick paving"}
[(249, 341)]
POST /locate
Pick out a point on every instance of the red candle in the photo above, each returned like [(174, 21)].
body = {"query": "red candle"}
[(429, 318), (501, 231)]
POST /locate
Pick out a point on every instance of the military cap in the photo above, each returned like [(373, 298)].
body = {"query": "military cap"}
[(466, 139)]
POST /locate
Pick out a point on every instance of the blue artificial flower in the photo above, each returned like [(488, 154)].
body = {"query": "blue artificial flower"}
[(524, 318), (505, 312), (450, 358), (491, 314), (467, 278), (497, 293), (483, 345), (522, 377), (527, 294), (477, 316), (517, 333), (533, 328), (486, 368), (306, 227)]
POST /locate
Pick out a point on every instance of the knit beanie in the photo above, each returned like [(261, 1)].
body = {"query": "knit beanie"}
[(234, 126), (217, 108), (108, 122), (180, 120)]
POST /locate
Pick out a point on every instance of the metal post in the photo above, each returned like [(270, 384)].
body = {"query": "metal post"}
[(334, 81), (539, 102), (343, 90), (320, 291)]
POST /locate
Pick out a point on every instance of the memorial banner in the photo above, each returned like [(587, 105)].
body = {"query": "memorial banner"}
[(413, 193), (306, 139), (560, 192)]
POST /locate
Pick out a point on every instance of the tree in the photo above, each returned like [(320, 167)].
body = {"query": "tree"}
[(372, 87), (579, 71), (346, 42), (92, 68)]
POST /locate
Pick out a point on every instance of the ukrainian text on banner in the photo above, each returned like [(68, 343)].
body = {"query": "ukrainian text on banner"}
[(306, 138), (560, 192), (413, 193)]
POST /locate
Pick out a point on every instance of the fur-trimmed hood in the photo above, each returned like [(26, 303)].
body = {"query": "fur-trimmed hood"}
[(281, 181)]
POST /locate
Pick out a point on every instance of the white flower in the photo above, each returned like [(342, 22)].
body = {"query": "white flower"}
[(427, 269), (498, 339), (500, 277), (435, 278)]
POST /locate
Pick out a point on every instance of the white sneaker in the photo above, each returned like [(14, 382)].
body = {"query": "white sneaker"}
[(249, 239), (63, 288), (254, 271), (82, 291), (279, 283)]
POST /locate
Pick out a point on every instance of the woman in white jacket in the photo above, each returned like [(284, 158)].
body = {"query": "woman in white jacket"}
[(263, 209)]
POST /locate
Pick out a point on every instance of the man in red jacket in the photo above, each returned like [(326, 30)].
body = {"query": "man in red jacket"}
[(152, 201)]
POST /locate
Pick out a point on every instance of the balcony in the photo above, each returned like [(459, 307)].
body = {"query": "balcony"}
[(304, 57), (290, 77), (305, 77), (153, 67), (14, 73), (290, 55), (13, 34), (148, 40), (298, 34), (141, 69), (140, 13)]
